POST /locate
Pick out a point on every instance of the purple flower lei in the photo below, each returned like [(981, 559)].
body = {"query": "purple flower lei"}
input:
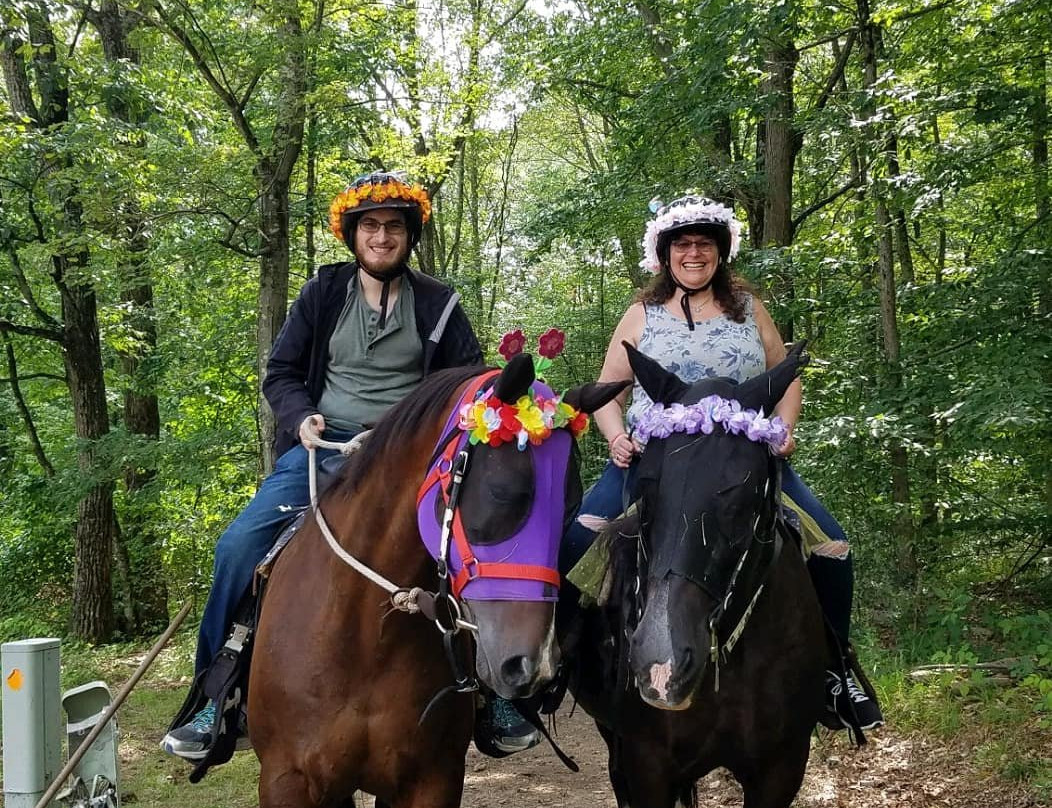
[(659, 421)]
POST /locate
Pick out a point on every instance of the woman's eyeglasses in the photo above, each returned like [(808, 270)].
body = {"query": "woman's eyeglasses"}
[(684, 244), (393, 228)]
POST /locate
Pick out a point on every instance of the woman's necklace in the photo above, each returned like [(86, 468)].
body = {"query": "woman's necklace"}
[(689, 309), (699, 309)]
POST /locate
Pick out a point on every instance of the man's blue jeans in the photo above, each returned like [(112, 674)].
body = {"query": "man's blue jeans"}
[(248, 538)]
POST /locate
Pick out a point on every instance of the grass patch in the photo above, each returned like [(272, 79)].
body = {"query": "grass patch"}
[(1006, 730), (1006, 724)]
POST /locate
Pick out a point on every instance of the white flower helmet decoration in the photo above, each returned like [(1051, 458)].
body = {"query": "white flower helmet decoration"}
[(688, 211)]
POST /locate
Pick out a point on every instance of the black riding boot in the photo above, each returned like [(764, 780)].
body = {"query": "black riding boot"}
[(834, 581), (850, 700)]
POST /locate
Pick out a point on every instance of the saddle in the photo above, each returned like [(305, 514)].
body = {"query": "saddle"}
[(225, 680)]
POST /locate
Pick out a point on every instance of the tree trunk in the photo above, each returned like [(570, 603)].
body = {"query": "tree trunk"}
[(899, 459), (781, 144), (139, 546), (92, 618), (273, 291), (311, 209), (93, 537), (902, 236), (1039, 161)]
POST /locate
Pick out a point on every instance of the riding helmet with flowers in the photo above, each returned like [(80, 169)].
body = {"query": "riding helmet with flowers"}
[(698, 214), (380, 189)]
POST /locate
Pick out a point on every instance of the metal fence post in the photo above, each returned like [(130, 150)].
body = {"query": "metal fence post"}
[(33, 725)]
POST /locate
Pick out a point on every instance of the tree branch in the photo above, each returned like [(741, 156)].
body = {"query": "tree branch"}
[(252, 82), (821, 203), (23, 409), (167, 24), (831, 38), (31, 377), (920, 12), (7, 327), (27, 290), (837, 72)]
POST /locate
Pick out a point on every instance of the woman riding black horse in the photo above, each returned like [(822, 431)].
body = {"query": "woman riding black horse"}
[(707, 647), (700, 320)]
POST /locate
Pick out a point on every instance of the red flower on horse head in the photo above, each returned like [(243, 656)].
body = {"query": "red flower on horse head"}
[(551, 343), (511, 344)]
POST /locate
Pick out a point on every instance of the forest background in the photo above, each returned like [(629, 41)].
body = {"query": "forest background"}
[(165, 171)]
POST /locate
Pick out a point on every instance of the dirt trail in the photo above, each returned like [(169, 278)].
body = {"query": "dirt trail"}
[(891, 771)]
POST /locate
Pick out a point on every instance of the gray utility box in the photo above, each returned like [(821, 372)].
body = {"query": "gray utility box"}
[(95, 778), (32, 719)]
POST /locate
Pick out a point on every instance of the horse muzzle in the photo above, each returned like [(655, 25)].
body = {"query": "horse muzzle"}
[(516, 650), (663, 655)]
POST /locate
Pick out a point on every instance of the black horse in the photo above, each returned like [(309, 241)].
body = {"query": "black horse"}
[(708, 611)]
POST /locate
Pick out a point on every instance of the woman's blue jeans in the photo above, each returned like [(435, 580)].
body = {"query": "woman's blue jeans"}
[(242, 546)]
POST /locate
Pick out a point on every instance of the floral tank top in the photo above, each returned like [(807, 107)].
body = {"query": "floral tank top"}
[(716, 347)]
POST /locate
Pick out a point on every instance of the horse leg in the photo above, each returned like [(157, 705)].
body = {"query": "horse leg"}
[(440, 789), (288, 789), (775, 784), (638, 780)]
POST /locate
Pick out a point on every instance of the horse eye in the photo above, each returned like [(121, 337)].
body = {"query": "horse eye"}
[(721, 492), (505, 494)]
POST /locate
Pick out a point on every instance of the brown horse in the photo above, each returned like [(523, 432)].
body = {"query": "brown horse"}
[(710, 649), (343, 688)]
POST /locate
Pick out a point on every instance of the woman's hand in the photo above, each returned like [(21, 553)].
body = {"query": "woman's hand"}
[(623, 449), (311, 429), (788, 446)]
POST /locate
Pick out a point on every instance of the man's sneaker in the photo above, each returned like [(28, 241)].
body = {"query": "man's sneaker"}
[(193, 740), (500, 730), (847, 701)]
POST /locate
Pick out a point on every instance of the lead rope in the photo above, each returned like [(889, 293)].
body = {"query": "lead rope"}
[(404, 600)]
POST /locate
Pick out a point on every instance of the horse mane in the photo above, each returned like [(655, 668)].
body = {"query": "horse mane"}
[(617, 601), (419, 410)]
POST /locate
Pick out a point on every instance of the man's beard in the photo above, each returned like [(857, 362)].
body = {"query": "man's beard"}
[(386, 274)]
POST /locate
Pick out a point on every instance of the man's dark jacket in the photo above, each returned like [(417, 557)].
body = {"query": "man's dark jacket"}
[(296, 368)]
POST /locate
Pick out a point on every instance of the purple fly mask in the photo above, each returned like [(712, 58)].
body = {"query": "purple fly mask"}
[(522, 566)]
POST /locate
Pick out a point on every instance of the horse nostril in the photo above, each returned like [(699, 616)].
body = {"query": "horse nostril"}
[(518, 671), (688, 662)]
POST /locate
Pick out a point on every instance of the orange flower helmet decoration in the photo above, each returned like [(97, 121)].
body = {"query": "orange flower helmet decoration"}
[(381, 189)]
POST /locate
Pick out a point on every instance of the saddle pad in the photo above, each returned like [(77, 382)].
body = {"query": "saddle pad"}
[(590, 572)]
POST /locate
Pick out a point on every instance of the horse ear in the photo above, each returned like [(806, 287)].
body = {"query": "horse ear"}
[(658, 383), (590, 397), (767, 389), (515, 380)]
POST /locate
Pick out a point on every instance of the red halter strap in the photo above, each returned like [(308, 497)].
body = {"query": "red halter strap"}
[(472, 568)]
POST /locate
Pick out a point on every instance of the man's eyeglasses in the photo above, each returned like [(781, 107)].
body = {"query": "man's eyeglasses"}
[(393, 228)]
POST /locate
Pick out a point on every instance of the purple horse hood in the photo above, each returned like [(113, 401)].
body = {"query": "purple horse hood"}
[(536, 543)]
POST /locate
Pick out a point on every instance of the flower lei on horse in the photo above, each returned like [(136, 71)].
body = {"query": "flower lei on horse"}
[(533, 417)]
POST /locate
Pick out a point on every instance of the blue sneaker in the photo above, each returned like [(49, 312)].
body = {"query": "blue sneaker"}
[(501, 728), (193, 740)]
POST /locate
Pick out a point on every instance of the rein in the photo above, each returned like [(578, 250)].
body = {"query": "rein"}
[(715, 650), (447, 470), (412, 600)]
